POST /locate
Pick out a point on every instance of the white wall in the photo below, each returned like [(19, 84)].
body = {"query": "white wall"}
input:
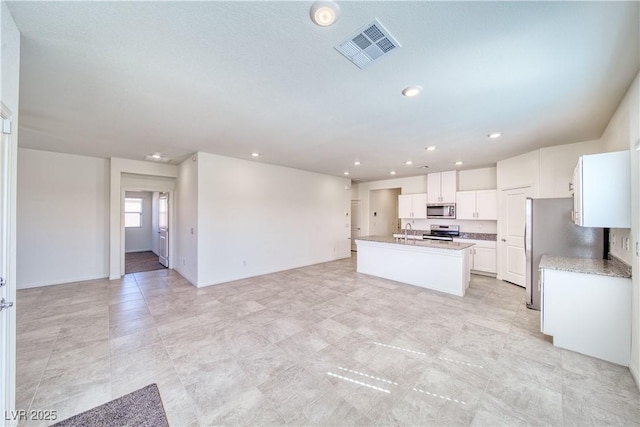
[(557, 165), (9, 87), (383, 211), (63, 222), (519, 171), (256, 218), (186, 238), (140, 239), (622, 133), (478, 179)]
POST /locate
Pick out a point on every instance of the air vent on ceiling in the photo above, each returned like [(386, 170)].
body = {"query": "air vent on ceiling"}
[(422, 167), (368, 44)]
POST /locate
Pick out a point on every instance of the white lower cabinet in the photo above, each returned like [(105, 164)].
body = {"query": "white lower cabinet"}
[(482, 256), (587, 313)]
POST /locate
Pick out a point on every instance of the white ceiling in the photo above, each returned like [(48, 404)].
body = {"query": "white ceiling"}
[(125, 79)]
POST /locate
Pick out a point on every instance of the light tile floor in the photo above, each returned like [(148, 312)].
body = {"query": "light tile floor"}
[(320, 345)]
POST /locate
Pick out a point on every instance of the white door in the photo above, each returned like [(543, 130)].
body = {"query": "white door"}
[(163, 229), (355, 223), (513, 265), (7, 284)]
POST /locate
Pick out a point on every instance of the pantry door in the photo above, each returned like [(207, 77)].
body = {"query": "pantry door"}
[(513, 264)]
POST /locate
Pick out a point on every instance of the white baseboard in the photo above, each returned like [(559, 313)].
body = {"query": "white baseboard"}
[(635, 375), (60, 281)]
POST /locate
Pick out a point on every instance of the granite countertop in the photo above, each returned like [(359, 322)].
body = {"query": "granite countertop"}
[(601, 267), (478, 236), (436, 244)]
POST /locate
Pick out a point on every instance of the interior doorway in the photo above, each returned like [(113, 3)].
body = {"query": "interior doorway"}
[(145, 231), (356, 218), (383, 211)]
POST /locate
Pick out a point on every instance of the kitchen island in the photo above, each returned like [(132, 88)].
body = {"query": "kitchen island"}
[(433, 264)]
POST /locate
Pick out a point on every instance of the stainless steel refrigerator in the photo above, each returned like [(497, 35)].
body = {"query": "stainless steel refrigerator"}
[(550, 230)]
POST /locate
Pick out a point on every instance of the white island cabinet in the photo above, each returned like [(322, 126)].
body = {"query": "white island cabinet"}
[(586, 306), (432, 264)]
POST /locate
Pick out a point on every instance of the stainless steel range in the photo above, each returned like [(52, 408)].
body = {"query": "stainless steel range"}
[(442, 232)]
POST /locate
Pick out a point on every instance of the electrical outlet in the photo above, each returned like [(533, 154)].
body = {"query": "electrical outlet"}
[(613, 239), (244, 263), (626, 244), (184, 261)]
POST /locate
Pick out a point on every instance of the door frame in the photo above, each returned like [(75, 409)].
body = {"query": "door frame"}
[(172, 223), (7, 228)]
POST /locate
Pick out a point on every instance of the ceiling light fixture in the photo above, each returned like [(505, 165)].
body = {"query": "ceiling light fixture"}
[(346, 173), (495, 135), (412, 91), (459, 162), (408, 162), (392, 172), (431, 148), (156, 157), (255, 154), (357, 163), (324, 13)]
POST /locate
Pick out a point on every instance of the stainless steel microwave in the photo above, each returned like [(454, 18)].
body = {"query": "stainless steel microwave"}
[(441, 210)]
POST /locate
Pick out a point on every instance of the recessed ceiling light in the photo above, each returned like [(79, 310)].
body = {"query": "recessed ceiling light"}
[(356, 163), (495, 135), (431, 148), (392, 172), (408, 162), (412, 91), (255, 154), (346, 173), (324, 13), (459, 162)]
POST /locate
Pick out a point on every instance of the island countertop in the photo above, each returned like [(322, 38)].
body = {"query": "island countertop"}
[(435, 244)]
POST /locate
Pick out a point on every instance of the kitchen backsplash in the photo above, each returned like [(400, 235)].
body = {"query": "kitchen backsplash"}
[(484, 227), (620, 244), (472, 236)]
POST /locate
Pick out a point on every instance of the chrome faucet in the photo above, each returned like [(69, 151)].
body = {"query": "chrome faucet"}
[(407, 227)]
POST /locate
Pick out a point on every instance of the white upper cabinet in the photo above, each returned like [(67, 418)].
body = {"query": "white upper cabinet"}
[(487, 204), (412, 206), (466, 205), (602, 195), (481, 204), (442, 187)]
